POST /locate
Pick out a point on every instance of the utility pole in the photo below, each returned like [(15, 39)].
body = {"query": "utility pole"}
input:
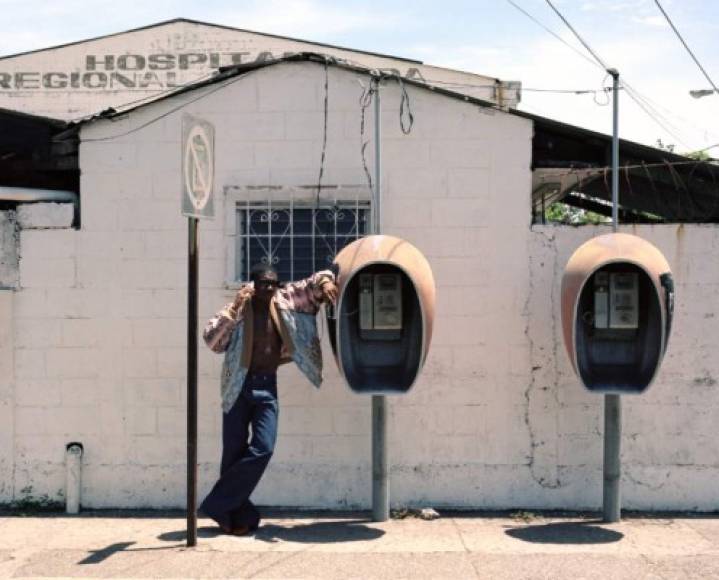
[(380, 471), (612, 403)]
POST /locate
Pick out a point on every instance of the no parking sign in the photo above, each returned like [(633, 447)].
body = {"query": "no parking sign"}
[(198, 167)]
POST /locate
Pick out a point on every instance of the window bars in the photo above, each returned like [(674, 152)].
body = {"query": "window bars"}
[(296, 237)]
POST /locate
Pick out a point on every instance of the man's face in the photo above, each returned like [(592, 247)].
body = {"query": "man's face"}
[(266, 286)]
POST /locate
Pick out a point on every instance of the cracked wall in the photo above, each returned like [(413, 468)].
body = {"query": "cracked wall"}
[(496, 420), (670, 455)]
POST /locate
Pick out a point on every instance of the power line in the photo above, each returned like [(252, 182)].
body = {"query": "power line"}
[(674, 28), (579, 38), (655, 115), (642, 101), (601, 170), (220, 85), (633, 94), (550, 31), (523, 89)]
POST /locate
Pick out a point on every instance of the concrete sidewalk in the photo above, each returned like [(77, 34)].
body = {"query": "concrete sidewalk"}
[(332, 545)]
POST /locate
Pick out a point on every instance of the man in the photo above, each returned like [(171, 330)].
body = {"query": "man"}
[(267, 324)]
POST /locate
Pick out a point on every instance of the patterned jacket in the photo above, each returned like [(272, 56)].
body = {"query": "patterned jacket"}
[(293, 310)]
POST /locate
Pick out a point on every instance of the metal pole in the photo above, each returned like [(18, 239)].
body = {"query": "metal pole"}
[(612, 497), (192, 271), (615, 148), (612, 500), (377, 161), (380, 472)]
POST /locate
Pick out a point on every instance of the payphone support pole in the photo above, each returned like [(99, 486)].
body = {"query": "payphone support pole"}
[(380, 471), (612, 403)]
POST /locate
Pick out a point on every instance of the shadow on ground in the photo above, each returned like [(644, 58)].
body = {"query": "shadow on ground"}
[(320, 532), (181, 535), (314, 533), (565, 533), (99, 556)]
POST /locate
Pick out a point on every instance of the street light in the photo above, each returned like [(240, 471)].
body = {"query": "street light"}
[(699, 93)]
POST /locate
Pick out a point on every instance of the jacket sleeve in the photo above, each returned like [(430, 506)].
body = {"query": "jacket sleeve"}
[(306, 295), (218, 330)]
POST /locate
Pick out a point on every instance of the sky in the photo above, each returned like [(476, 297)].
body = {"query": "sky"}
[(488, 37)]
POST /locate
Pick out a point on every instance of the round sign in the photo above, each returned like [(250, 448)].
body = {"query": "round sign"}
[(198, 167)]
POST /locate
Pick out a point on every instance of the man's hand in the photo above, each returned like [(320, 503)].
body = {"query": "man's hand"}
[(244, 294), (329, 291)]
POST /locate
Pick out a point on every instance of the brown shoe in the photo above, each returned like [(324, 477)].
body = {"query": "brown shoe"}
[(236, 531)]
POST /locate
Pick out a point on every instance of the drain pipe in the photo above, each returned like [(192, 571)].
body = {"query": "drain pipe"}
[(73, 477), (29, 194)]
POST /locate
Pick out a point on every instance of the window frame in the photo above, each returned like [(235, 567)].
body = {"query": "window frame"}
[(239, 199)]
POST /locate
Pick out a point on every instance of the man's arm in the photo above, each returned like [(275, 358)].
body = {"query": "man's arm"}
[(309, 294), (218, 329)]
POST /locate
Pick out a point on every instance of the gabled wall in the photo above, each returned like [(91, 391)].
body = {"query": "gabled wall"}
[(84, 78), (496, 419)]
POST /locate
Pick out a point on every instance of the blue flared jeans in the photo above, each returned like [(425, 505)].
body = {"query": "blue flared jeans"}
[(244, 458)]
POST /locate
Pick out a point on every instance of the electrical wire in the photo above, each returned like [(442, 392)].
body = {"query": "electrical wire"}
[(550, 31), (660, 120), (633, 94), (324, 135), (156, 95), (599, 170), (404, 102), (579, 38), (220, 85), (523, 89), (365, 101), (696, 60)]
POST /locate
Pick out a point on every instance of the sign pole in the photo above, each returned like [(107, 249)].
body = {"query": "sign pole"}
[(192, 286), (611, 496), (380, 471), (198, 172)]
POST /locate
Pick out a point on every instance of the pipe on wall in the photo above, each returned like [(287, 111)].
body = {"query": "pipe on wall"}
[(73, 477)]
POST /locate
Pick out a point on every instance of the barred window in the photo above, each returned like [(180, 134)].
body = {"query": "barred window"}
[(297, 239)]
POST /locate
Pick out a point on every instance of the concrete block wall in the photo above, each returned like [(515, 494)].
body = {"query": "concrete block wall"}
[(100, 317), (8, 249), (670, 455)]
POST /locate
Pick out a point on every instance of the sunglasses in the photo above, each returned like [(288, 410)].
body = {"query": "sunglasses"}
[(267, 283)]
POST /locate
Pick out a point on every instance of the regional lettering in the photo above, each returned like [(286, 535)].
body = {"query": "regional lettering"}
[(136, 71)]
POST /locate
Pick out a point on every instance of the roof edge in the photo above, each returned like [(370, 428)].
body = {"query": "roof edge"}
[(231, 71), (322, 59), (223, 26), (57, 123)]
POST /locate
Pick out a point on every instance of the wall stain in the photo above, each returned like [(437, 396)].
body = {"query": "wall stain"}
[(704, 381)]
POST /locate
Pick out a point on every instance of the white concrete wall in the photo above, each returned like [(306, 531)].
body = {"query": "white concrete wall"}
[(8, 249), (494, 421), (7, 394), (670, 451)]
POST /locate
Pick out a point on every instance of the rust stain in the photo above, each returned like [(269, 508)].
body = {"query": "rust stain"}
[(680, 234)]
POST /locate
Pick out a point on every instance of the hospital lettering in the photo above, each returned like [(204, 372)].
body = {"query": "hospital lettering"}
[(138, 71)]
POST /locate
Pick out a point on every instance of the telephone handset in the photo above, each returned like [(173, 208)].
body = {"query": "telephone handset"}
[(380, 305), (616, 300)]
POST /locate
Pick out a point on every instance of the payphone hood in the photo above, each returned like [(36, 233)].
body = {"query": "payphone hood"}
[(389, 250), (599, 252)]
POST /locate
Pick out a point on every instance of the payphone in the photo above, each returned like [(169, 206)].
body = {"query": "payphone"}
[(380, 306), (617, 306), (381, 327)]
